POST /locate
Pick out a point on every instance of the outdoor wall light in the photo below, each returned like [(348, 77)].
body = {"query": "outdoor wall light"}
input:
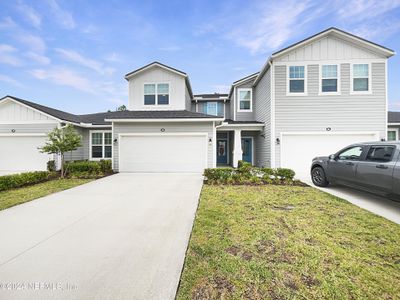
[(162, 129), (115, 141), (328, 129), (13, 130), (278, 141), (210, 140)]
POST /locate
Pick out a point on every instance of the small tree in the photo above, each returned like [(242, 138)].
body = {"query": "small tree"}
[(62, 140), (121, 108)]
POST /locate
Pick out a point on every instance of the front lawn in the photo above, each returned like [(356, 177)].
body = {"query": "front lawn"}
[(288, 242), (24, 194)]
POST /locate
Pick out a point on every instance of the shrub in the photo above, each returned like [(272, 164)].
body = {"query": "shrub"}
[(51, 166), (18, 180), (80, 167), (247, 174), (242, 163), (106, 166), (286, 174)]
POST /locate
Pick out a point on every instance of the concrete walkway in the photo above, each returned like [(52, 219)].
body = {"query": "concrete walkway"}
[(378, 205), (121, 237)]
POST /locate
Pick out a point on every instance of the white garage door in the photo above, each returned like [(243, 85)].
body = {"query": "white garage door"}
[(165, 153), (298, 150), (20, 153)]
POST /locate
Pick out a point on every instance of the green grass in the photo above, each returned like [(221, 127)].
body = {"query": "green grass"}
[(24, 194), (282, 242)]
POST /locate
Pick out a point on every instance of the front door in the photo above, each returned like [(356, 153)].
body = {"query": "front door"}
[(222, 157), (247, 148)]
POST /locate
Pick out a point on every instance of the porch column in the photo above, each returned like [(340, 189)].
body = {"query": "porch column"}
[(237, 148)]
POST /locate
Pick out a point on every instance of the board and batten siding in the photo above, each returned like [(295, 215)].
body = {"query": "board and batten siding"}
[(262, 113), (170, 127), (344, 112)]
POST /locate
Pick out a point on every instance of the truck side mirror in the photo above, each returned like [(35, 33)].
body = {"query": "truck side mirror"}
[(332, 157)]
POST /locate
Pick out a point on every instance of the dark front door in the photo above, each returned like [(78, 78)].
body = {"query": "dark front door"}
[(222, 157), (247, 148)]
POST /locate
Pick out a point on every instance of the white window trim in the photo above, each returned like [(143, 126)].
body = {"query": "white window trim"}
[(288, 93), (103, 144), (338, 92), (251, 99), (156, 94), (396, 130), (369, 79)]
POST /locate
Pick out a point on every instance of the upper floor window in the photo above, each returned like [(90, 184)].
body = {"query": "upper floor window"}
[(214, 108), (245, 99), (297, 79), (100, 144), (329, 79), (361, 78), (156, 92)]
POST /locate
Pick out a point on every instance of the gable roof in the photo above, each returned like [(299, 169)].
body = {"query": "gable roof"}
[(346, 35), (157, 114), (242, 80), (215, 96), (165, 67)]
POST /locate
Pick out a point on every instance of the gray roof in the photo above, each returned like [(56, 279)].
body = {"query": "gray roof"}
[(99, 118), (229, 121), (211, 96), (393, 116)]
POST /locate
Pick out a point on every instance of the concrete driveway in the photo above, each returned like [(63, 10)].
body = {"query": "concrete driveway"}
[(378, 205), (120, 237)]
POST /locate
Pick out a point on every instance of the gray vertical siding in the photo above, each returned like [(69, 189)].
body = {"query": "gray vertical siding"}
[(172, 127), (262, 113), (345, 112)]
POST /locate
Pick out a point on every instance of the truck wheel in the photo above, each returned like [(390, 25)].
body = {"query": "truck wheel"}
[(318, 177)]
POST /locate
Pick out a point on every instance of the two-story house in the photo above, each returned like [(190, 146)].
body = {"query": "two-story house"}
[(309, 99)]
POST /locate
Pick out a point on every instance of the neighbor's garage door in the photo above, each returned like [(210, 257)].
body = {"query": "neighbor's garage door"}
[(298, 150), (20, 153), (165, 153)]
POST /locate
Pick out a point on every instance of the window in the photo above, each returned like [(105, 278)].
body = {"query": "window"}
[(392, 135), (297, 79), (159, 91), (361, 80), (214, 108), (380, 153), (101, 145), (329, 79), (245, 99), (353, 153)]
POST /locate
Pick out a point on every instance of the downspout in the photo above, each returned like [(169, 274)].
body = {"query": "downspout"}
[(273, 147)]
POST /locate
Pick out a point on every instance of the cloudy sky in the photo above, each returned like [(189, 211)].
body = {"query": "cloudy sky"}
[(73, 55)]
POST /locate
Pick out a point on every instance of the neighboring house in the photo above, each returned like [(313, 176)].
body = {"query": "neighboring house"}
[(309, 99), (393, 126)]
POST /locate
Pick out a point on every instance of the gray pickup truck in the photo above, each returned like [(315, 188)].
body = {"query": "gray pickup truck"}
[(374, 167)]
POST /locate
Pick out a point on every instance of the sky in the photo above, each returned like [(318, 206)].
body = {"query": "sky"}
[(73, 55)]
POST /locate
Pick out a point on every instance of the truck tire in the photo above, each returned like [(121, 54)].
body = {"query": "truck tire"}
[(318, 177)]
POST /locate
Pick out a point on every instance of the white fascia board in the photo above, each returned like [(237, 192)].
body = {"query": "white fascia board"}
[(393, 124), (152, 66), (164, 120), (345, 36)]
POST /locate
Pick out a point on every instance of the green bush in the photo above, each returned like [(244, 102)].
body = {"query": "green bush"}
[(51, 166), (247, 174), (79, 167), (18, 180), (286, 174), (105, 166)]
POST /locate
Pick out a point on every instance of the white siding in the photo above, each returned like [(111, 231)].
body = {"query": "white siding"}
[(343, 112), (177, 88), (262, 113), (172, 127), (328, 48), (13, 112)]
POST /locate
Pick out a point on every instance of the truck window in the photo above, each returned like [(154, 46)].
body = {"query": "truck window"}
[(380, 153)]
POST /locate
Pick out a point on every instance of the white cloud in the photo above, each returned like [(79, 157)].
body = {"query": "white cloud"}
[(8, 55), (30, 14), (270, 26), (9, 80), (113, 57), (74, 56), (359, 10), (33, 42), (63, 17), (221, 88), (7, 23), (66, 77), (41, 59)]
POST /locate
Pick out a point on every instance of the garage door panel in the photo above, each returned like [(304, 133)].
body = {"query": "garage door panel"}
[(298, 150), (21, 153), (169, 153)]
